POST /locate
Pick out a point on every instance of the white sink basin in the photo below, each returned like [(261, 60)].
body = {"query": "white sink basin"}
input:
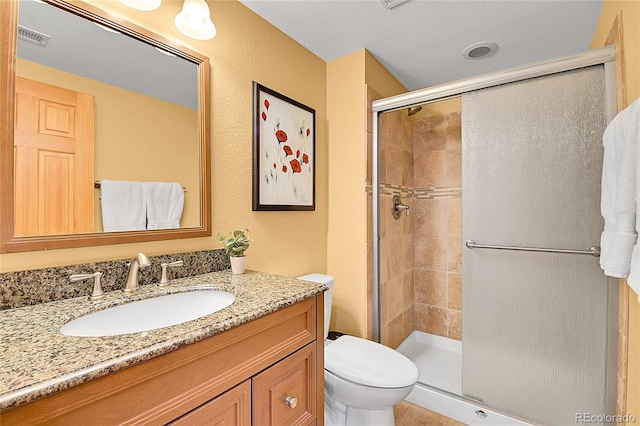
[(149, 314)]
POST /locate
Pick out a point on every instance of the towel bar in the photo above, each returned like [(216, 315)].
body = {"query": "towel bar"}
[(591, 251), (97, 184)]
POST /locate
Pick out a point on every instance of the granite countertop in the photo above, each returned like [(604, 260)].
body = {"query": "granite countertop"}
[(37, 361)]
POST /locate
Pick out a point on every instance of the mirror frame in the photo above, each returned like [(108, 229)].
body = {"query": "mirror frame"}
[(9, 242)]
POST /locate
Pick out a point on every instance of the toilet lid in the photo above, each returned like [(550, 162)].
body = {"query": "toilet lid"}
[(369, 363)]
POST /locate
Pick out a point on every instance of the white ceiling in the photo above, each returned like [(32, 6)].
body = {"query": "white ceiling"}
[(421, 41)]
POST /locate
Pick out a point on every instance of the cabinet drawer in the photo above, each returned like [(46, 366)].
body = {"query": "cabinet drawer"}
[(231, 408), (284, 394)]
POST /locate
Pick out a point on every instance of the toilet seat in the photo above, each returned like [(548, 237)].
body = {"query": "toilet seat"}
[(369, 363)]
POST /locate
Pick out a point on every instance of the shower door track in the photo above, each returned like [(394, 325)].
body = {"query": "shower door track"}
[(604, 55)]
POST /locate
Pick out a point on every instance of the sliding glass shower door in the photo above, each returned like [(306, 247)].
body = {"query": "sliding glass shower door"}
[(534, 323)]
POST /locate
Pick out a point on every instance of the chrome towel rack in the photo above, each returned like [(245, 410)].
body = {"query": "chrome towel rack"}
[(98, 183), (591, 251)]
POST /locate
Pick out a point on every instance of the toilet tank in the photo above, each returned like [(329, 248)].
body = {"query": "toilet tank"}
[(328, 281)]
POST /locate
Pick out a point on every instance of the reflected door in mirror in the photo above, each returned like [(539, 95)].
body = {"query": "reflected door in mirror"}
[(53, 160)]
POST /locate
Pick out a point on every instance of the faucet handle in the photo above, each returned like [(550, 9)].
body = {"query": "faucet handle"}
[(164, 280), (97, 292), (398, 207)]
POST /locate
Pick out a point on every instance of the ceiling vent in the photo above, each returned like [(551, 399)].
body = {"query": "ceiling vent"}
[(390, 4), (32, 36)]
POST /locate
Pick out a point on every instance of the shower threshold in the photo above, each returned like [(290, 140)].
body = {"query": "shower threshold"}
[(439, 387)]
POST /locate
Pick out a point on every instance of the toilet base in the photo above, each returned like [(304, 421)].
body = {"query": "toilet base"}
[(338, 414), (356, 416)]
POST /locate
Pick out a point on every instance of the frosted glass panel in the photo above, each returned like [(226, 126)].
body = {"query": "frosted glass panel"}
[(534, 324)]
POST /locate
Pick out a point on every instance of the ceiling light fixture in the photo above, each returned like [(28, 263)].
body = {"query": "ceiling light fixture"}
[(480, 50), (142, 4), (195, 20)]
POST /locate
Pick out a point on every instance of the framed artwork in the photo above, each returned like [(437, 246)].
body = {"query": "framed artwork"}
[(284, 143)]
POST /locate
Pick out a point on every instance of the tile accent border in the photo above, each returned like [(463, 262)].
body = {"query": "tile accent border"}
[(23, 288), (428, 193), (432, 193), (390, 190)]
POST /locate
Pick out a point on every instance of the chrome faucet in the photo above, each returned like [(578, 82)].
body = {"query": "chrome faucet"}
[(140, 261)]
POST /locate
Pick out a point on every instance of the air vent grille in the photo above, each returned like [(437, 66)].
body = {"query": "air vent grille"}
[(32, 36)]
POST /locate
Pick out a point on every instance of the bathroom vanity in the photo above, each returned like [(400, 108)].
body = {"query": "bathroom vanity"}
[(259, 361)]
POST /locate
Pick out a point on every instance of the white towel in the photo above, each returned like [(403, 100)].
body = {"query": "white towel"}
[(619, 204), (124, 205), (632, 133), (165, 201)]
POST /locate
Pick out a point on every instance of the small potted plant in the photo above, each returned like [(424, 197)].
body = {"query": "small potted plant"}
[(235, 244)]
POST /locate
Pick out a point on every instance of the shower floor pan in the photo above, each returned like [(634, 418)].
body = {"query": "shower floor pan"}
[(439, 360)]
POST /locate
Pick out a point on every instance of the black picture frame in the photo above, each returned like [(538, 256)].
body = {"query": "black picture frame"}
[(284, 152)]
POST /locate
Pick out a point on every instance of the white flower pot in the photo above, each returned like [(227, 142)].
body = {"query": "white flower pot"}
[(238, 264)]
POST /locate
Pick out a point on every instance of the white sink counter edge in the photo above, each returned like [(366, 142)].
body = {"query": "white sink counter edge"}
[(36, 360)]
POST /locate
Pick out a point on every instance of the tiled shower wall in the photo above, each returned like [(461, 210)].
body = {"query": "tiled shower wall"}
[(420, 270), (438, 226), (396, 236)]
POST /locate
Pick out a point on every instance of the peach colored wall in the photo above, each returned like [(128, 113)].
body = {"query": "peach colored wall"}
[(631, 25), (378, 78), (137, 137), (347, 248), (246, 48)]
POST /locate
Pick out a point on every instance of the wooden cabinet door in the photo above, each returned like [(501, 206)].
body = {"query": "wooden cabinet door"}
[(285, 393), (53, 159), (232, 408)]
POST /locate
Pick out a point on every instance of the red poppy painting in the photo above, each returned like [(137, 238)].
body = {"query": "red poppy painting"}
[(283, 152)]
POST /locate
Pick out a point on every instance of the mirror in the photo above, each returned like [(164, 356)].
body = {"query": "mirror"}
[(142, 100)]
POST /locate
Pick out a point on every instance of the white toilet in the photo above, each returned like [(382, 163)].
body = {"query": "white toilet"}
[(363, 380)]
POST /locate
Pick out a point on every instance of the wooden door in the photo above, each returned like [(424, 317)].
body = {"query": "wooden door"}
[(53, 154)]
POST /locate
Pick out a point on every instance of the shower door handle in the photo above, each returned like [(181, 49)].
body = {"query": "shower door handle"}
[(591, 251)]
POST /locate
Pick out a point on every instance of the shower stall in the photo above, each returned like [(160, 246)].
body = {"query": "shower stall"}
[(485, 226)]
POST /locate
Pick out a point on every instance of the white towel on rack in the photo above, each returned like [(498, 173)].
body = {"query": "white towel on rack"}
[(620, 256), (165, 202), (124, 205)]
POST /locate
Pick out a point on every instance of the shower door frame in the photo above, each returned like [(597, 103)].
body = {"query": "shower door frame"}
[(604, 56)]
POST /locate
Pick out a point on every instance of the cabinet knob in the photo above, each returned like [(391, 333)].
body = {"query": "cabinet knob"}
[(291, 401)]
